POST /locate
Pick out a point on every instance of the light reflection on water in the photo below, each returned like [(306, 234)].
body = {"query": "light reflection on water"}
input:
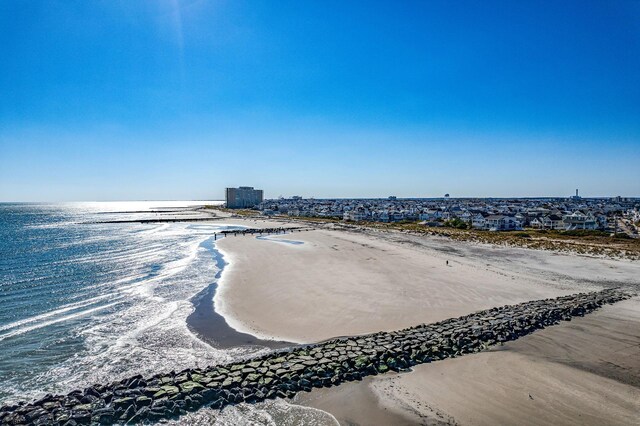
[(83, 303)]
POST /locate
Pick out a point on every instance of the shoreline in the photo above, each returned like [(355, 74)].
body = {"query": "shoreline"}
[(219, 300), (209, 325)]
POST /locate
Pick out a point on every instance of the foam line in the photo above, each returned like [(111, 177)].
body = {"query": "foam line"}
[(70, 307), (57, 320)]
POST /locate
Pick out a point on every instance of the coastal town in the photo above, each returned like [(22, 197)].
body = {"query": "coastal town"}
[(616, 215), (311, 213)]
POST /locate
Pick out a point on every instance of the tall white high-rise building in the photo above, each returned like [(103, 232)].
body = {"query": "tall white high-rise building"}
[(243, 197)]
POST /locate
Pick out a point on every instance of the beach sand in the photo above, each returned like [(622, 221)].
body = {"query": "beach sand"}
[(344, 283), (581, 373)]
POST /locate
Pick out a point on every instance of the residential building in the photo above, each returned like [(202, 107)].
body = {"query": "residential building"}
[(244, 197), (513, 213), (579, 220), (501, 223)]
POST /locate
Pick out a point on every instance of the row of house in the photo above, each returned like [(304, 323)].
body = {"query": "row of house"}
[(576, 220), (490, 214)]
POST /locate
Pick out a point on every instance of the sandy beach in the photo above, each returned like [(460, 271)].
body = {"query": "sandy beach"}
[(583, 372), (338, 283)]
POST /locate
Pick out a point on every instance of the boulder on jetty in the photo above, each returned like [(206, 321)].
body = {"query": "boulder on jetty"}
[(260, 231), (281, 374)]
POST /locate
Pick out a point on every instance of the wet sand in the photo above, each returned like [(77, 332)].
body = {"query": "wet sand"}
[(212, 327), (355, 403)]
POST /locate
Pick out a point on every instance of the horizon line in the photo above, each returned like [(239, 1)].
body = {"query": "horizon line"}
[(331, 198)]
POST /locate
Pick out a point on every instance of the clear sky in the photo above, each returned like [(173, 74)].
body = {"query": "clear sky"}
[(123, 100)]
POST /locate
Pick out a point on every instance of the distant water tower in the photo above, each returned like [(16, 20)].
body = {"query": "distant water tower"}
[(575, 197), (446, 195)]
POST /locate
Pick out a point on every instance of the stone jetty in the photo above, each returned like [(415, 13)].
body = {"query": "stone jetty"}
[(283, 373), (260, 231)]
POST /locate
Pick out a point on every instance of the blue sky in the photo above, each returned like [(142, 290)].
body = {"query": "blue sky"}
[(120, 100)]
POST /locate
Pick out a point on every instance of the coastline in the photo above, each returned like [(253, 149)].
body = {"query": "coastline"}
[(207, 322), (349, 284), (211, 327), (237, 264)]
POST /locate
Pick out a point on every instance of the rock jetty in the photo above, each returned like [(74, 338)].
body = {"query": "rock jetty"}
[(281, 374), (260, 231)]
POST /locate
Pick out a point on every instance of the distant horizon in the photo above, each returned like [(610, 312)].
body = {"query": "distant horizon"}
[(322, 198)]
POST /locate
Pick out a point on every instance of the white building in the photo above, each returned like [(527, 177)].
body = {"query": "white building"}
[(579, 220), (478, 221), (243, 197), (502, 223), (358, 214)]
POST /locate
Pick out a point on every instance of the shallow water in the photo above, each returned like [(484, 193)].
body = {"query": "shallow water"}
[(276, 239), (85, 302)]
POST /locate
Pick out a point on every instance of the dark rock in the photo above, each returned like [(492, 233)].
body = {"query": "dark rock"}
[(88, 399), (209, 395), (128, 412), (35, 413), (188, 402), (219, 403), (159, 413), (81, 417), (190, 388), (46, 419), (139, 416), (143, 401), (92, 391), (123, 403), (104, 416)]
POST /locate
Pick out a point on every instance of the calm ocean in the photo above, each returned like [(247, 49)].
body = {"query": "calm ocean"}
[(84, 302)]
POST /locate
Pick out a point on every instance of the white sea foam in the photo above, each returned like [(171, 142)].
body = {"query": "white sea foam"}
[(155, 229), (23, 330), (66, 308), (268, 413)]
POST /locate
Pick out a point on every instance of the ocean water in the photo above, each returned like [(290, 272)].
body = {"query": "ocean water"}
[(84, 302)]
